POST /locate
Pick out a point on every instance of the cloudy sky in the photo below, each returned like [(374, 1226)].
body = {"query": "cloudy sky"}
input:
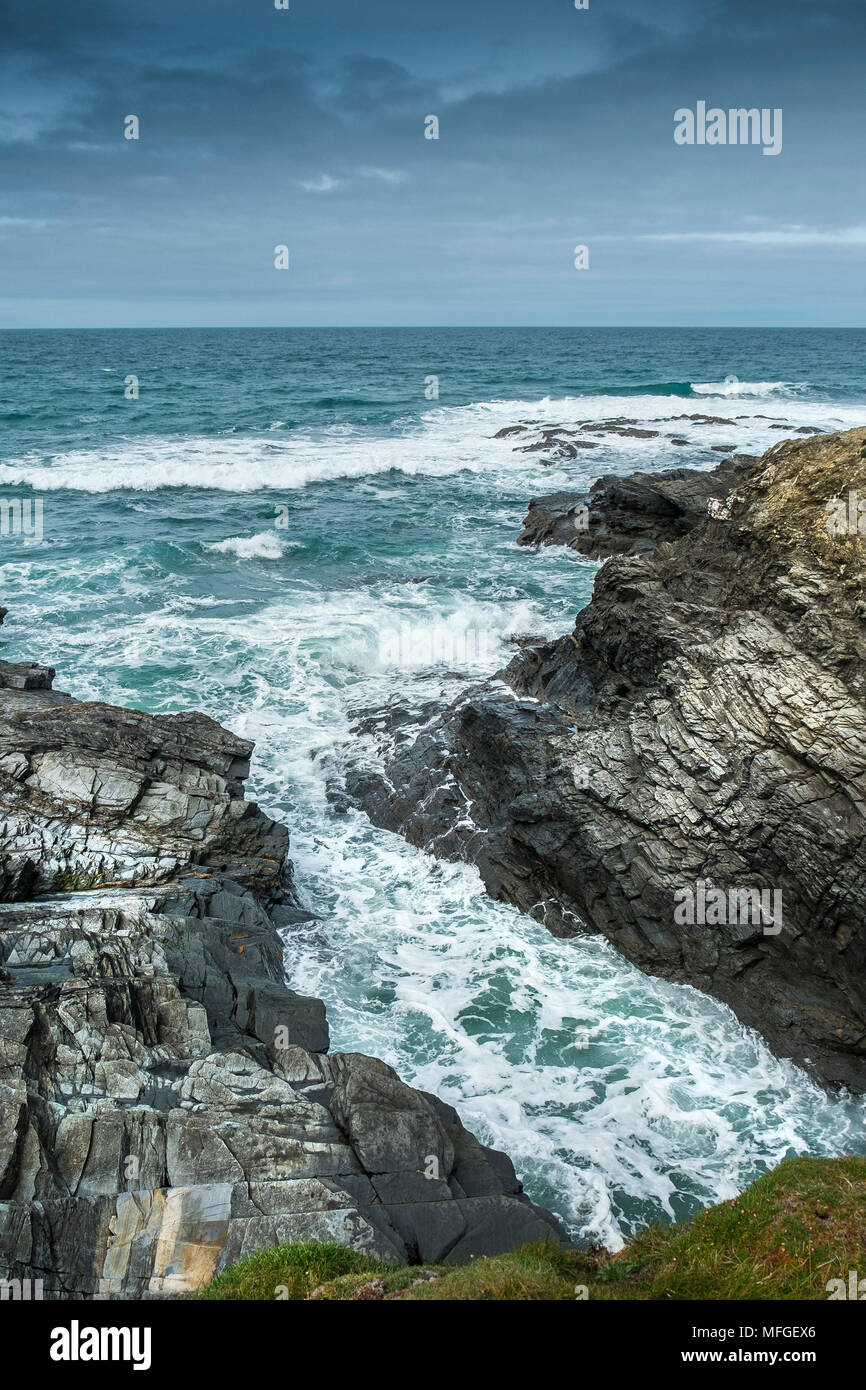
[(305, 127)]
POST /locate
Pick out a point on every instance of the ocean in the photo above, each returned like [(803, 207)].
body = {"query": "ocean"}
[(283, 527)]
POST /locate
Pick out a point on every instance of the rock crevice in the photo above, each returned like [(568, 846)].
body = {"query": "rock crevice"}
[(168, 1105), (702, 728)]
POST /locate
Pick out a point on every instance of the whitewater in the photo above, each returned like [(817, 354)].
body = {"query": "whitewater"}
[(166, 582), (440, 442)]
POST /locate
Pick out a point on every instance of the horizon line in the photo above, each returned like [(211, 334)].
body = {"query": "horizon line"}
[(435, 327)]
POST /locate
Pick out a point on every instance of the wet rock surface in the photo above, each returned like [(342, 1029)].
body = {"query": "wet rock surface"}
[(168, 1105), (703, 727), (630, 515)]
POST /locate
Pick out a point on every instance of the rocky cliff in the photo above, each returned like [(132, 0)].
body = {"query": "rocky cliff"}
[(168, 1105), (700, 732), (630, 515)]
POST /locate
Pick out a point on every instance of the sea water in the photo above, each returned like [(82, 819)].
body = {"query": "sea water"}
[(251, 522)]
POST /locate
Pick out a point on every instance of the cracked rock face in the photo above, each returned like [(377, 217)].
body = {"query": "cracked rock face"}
[(94, 794), (631, 515), (703, 727), (168, 1105)]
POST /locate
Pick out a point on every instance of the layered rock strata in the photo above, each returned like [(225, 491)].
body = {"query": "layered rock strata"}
[(168, 1105), (701, 728)]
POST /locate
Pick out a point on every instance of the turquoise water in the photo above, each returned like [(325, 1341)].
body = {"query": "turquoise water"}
[(282, 529)]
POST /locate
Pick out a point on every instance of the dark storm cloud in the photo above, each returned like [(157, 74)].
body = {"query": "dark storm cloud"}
[(369, 85), (54, 27), (306, 127)]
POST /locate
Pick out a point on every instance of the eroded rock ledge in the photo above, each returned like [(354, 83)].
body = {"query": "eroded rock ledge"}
[(167, 1104), (704, 720), (631, 515)]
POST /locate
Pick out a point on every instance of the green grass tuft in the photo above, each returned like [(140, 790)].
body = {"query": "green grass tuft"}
[(784, 1237), (299, 1268)]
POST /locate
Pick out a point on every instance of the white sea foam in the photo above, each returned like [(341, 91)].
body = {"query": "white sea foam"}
[(267, 545), (621, 1099), (733, 387), (445, 441)]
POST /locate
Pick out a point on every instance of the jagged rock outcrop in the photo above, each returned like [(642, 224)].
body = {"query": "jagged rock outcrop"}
[(630, 515), (703, 728), (168, 1104)]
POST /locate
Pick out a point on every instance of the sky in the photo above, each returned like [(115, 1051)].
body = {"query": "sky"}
[(305, 127)]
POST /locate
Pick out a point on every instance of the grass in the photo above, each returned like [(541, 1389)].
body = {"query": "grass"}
[(784, 1237), (297, 1268)]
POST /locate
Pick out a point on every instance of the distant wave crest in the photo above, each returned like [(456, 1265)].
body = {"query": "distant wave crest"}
[(482, 438), (266, 545)]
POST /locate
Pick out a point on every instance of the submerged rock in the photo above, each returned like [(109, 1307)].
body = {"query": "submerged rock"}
[(701, 730), (168, 1104)]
